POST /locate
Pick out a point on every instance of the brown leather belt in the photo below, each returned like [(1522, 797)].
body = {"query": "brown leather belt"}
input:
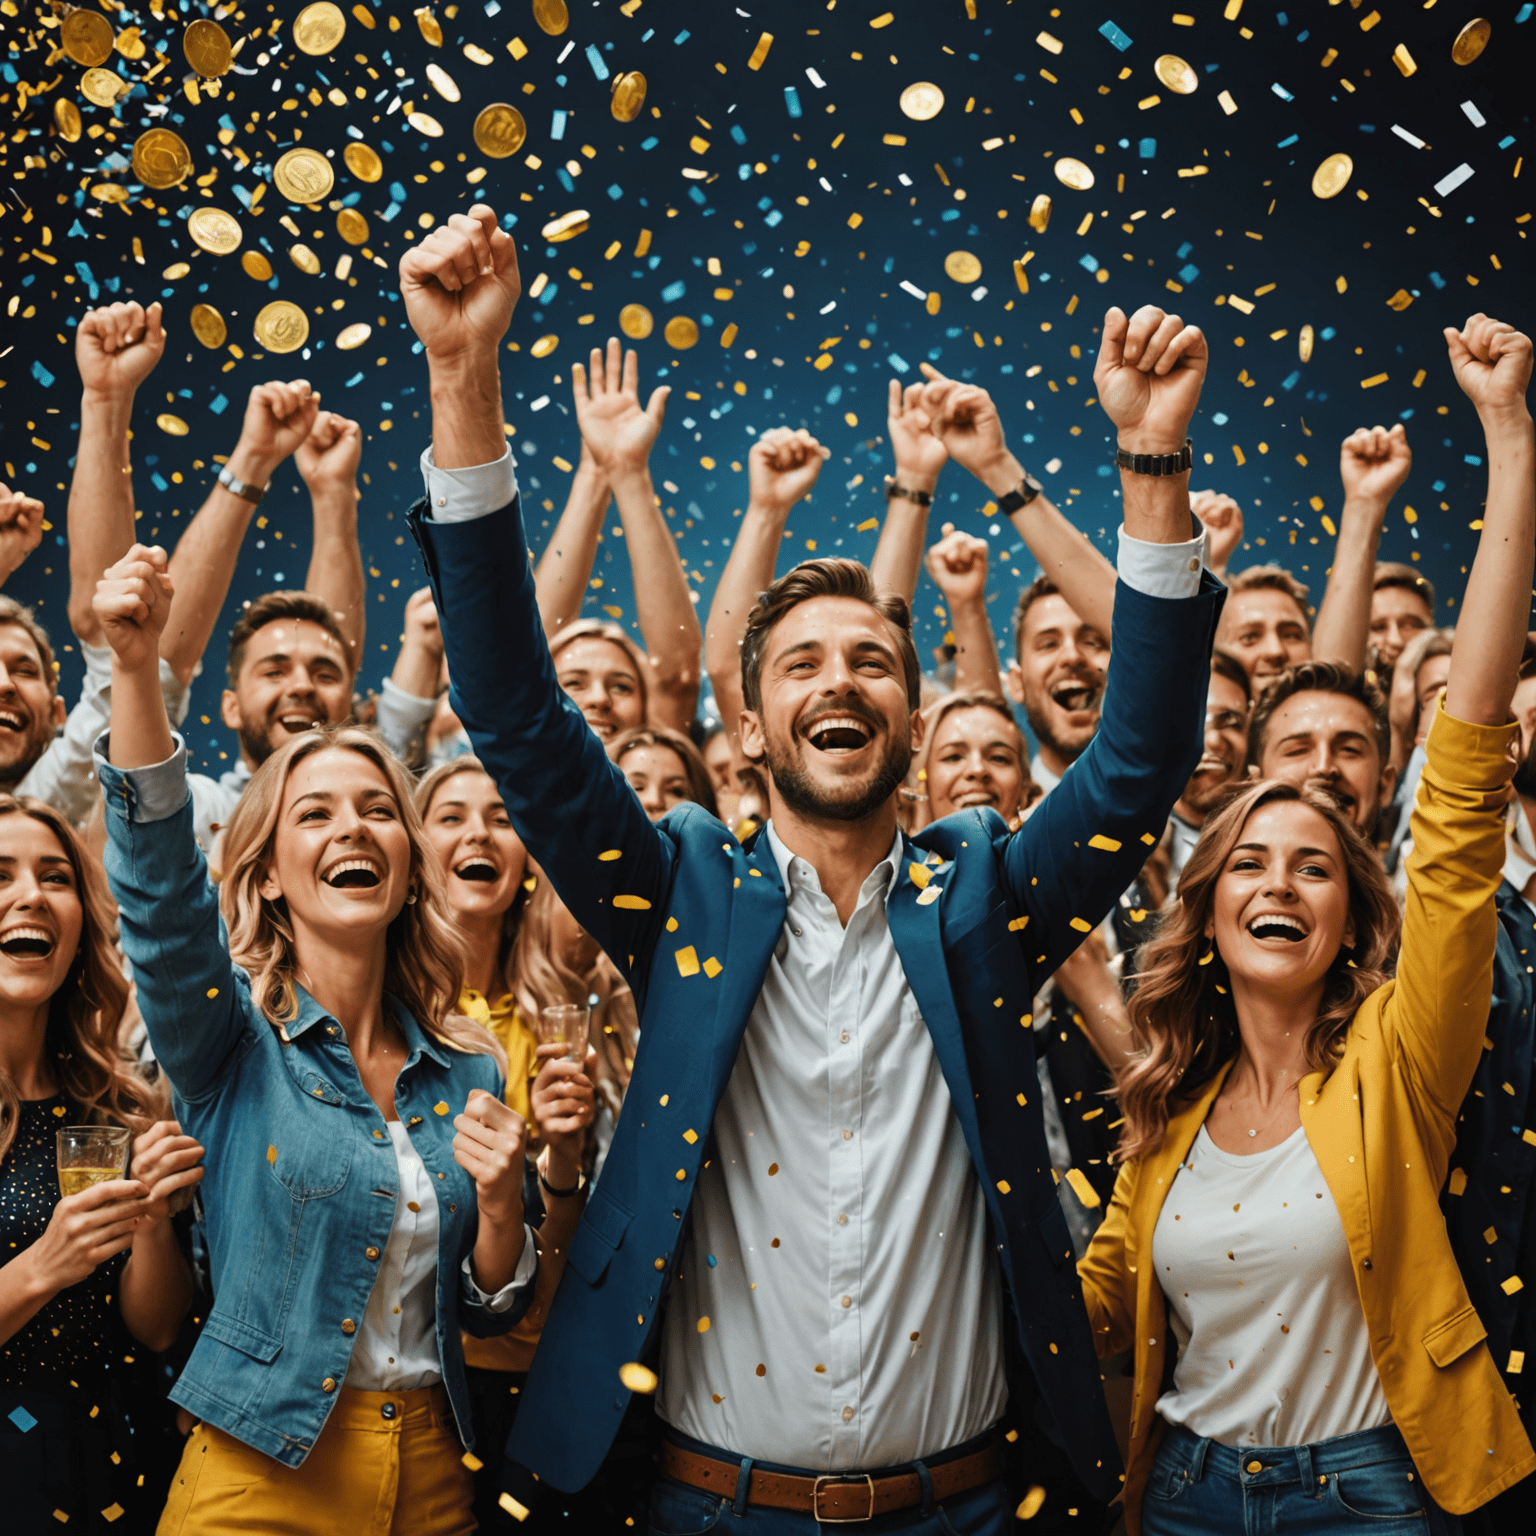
[(838, 1499)]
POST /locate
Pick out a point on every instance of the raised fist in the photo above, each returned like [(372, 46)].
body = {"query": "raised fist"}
[(1492, 363), (1148, 376), (1373, 463), (782, 467), (461, 284), (133, 602), (117, 347)]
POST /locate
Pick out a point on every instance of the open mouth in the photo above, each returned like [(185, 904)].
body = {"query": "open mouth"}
[(352, 875), (1272, 925), (27, 943), (10, 720), (839, 733), (602, 726), (1212, 765), (298, 721), (1074, 696), (478, 869), (969, 797)]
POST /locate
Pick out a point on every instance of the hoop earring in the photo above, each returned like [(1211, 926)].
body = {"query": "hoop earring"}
[(1210, 953)]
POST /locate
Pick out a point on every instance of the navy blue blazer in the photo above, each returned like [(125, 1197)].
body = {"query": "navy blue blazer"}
[(980, 917)]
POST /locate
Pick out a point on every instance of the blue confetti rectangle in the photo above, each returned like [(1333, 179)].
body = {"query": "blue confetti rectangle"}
[(1291, 380), (19, 1416), (673, 292), (219, 404), (1147, 149), (650, 143), (738, 133), (615, 191), (595, 59), (1188, 273), (41, 374), (683, 36), (1437, 280), (1090, 263), (354, 381), (774, 218), (1115, 35), (158, 480), (557, 124), (900, 364), (792, 100), (1472, 458), (1281, 92), (1286, 143)]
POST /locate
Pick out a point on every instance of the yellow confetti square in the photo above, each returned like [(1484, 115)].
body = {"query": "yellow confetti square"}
[(609, 855), (1149, 839), (632, 903), (112, 1512), (471, 1461), (1003, 1187), (690, 1136), (712, 967), (1516, 1362), (918, 875), (1104, 844), (687, 961), (1081, 924), (1458, 1182), (997, 1002), (1512, 1285)]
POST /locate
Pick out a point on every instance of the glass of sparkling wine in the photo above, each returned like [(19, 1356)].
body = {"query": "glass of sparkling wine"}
[(566, 1024), (91, 1154)]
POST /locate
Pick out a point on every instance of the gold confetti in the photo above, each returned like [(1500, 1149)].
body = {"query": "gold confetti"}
[(637, 1378), (918, 875), (271, 1154), (213, 992), (1304, 344), (628, 96), (632, 903), (702, 1325), (1073, 173), (567, 226), (760, 52), (1003, 1187), (962, 266), (609, 855), (1226, 103), (1018, 924), (773, 1168), (440, 1108), (922, 100), (471, 1461), (544, 346), (1029, 1505), (1403, 59), (712, 967), (1084, 1191), (1332, 176), (1516, 1362), (1081, 924), (1400, 300), (1104, 844), (304, 259), (519, 1512), (687, 961), (1511, 1286)]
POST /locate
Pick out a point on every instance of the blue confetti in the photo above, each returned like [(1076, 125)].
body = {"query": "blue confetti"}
[(711, 1261), (1472, 459), (792, 100), (1188, 273), (900, 364), (355, 380), (1115, 35), (1506, 141), (650, 143), (19, 1416), (1327, 333), (738, 133), (1091, 263), (1437, 280), (44, 378), (1282, 93), (219, 404), (1524, 13), (595, 59), (1286, 143), (615, 191), (673, 292), (158, 480), (1220, 418), (1291, 380), (1147, 149), (557, 124), (683, 36)]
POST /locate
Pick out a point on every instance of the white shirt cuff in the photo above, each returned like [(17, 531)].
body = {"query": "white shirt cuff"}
[(1161, 570), (460, 495), (502, 1299)]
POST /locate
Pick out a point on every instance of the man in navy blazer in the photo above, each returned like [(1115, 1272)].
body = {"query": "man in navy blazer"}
[(833, 1128)]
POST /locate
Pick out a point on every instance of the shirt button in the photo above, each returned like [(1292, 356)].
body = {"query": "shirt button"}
[(795, 931), (845, 1037), (1194, 563), (348, 1326), (1365, 1264), (847, 1301), (847, 1414), (847, 1135), (388, 1411), (372, 1252), (442, 501), (329, 1384), (842, 1221)]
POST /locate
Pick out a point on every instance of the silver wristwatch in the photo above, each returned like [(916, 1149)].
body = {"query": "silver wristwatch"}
[(241, 488)]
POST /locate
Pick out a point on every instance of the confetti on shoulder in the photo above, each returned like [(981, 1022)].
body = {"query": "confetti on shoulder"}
[(687, 961), (609, 855), (1104, 844), (441, 1107), (1019, 924), (917, 874), (271, 1154), (632, 903), (213, 991)]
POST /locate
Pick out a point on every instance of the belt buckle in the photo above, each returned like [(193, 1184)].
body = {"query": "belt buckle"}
[(839, 1479)]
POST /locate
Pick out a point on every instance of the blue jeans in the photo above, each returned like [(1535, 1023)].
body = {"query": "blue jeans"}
[(678, 1510), (1356, 1482)]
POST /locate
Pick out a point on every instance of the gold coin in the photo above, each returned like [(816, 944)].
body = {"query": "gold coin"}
[(318, 29), (352, 226), (1304, 344), (430, 27), (304, 259), (354, 336), (363, 162), (256, 265), (1040, 212), (87, 37), (544, 346), (566, 227), (1178, 76), (109, 192), (206, 45), (637, 1377), (208, 325), (215, 231), (636, 321), (281, 327), (102, 87), (66, 118), (681, 332), (500, 130), (443, 83), (130, 43), (175, 270), (172, 424), (628, 96), (1470, 41), (1332, 176), (1073, 173), (160, 159), (304, 176), (962, 266), (424, 122), (551, 16), (922, 100)]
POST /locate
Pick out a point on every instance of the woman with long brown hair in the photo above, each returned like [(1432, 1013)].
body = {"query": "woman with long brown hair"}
[(364, 1197), (1290, 1117), (92, 1273)]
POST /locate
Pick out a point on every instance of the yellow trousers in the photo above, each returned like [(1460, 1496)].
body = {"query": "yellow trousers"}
[(386, 1464)]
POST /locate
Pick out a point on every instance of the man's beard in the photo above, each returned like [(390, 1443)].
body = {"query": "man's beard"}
[(257, 745), (803, 796), (1525, 775), (1042, 730), (25, 749)]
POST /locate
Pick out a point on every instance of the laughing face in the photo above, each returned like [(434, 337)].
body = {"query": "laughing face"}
[(295, 676), (836, 730), (1266, 630), (1059, 679), (1327, 741), (976, 759), (341, 854), (1281, 910), (30, 708), (41, 914), (483, 858), (1226, 750)]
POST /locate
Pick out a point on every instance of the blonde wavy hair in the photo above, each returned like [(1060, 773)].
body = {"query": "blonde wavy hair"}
[(1182, 1015), (424, 964), (85, 1015)]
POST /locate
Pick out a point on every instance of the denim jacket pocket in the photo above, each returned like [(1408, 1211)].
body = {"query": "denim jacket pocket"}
[(256, 1343), (312, 1155)]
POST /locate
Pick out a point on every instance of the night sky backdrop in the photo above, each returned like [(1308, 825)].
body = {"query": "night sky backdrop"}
[(802, 221)]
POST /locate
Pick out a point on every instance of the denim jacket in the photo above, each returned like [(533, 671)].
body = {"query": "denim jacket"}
[(301, 1178)]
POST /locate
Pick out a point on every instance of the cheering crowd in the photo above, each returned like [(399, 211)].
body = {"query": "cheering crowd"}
[(542, 1106)]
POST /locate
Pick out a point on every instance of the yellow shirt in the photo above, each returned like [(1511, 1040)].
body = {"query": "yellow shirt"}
[(1382, 1125), (505, 1021)]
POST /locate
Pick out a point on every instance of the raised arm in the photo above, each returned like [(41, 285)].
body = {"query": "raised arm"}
[(782, 466), (620, 436), (565, 567), (1222, 519), (1373, 463), (116, 349), (966, 420), (21, 529), (328, 460), (278, 417), (920, 456), (958, 566)]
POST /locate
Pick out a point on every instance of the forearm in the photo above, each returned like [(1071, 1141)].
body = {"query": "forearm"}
[(1497, 606), (336, 562), (418, 669), (663, 603), (898, 557), (748, 572), (100, 516), (498, 1247), (140, 732), (23, 1294), (1088, 985), (155, 1291), (977, 669), (1343, 626), (566, 567), (467, 424), (1081, 573)]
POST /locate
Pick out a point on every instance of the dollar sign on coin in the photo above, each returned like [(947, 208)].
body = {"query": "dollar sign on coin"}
[(66, 118), (281, 327), (500, 131), (206, 45), (636, 322), (303, 176), (208, 325), (681, 332), (160, 159), (87, 37), (215, 231), (628, 96), (551, 16), (363, 162), (317, 29)]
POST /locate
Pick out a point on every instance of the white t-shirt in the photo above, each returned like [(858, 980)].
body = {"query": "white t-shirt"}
[(1273, 1345)]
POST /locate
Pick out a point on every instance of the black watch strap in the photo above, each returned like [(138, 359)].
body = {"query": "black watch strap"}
[(1020, 496), (897, 492), (1157, 463)]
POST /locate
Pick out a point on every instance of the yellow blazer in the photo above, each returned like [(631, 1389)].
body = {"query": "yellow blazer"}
[(1382, 1126)]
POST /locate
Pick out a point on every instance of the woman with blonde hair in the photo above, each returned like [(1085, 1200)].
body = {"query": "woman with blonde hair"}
[(664, 769), (354, 1221), (100, 1269), (1290, 1117), (974, 755)]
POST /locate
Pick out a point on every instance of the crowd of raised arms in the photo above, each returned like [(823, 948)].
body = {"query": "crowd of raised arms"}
[(532, 1103)]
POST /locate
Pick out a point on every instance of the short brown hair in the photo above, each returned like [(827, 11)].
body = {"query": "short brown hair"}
[(1041, 586), (824, 578), (1393, 573), (1319, 677), (1273, 578), (12, 612), (700, 789), (271, 606), (1225, 664)]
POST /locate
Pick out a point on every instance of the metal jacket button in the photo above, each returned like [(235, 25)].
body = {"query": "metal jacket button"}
[(348, 1326), (372, 1252), (329, 1384), (388, 1411)]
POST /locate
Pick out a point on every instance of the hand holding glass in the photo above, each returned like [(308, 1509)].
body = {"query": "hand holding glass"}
[(91, 1154), (566, 1024)]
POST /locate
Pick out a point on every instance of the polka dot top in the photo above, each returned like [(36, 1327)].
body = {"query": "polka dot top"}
[(81, 1329)]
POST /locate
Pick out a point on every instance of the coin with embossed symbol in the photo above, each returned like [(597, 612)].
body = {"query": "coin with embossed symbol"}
[(87, 37), (215, 231), (681, 332), (1176, 74), (1332, 176), (636, 322), (317, 29), (352, 226), (500, 130), (161, 159), (103, 87), (66, 118), (303, 176), (206, 45), (551, 16), (208, 325), (281, 327), (1073, 173)]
